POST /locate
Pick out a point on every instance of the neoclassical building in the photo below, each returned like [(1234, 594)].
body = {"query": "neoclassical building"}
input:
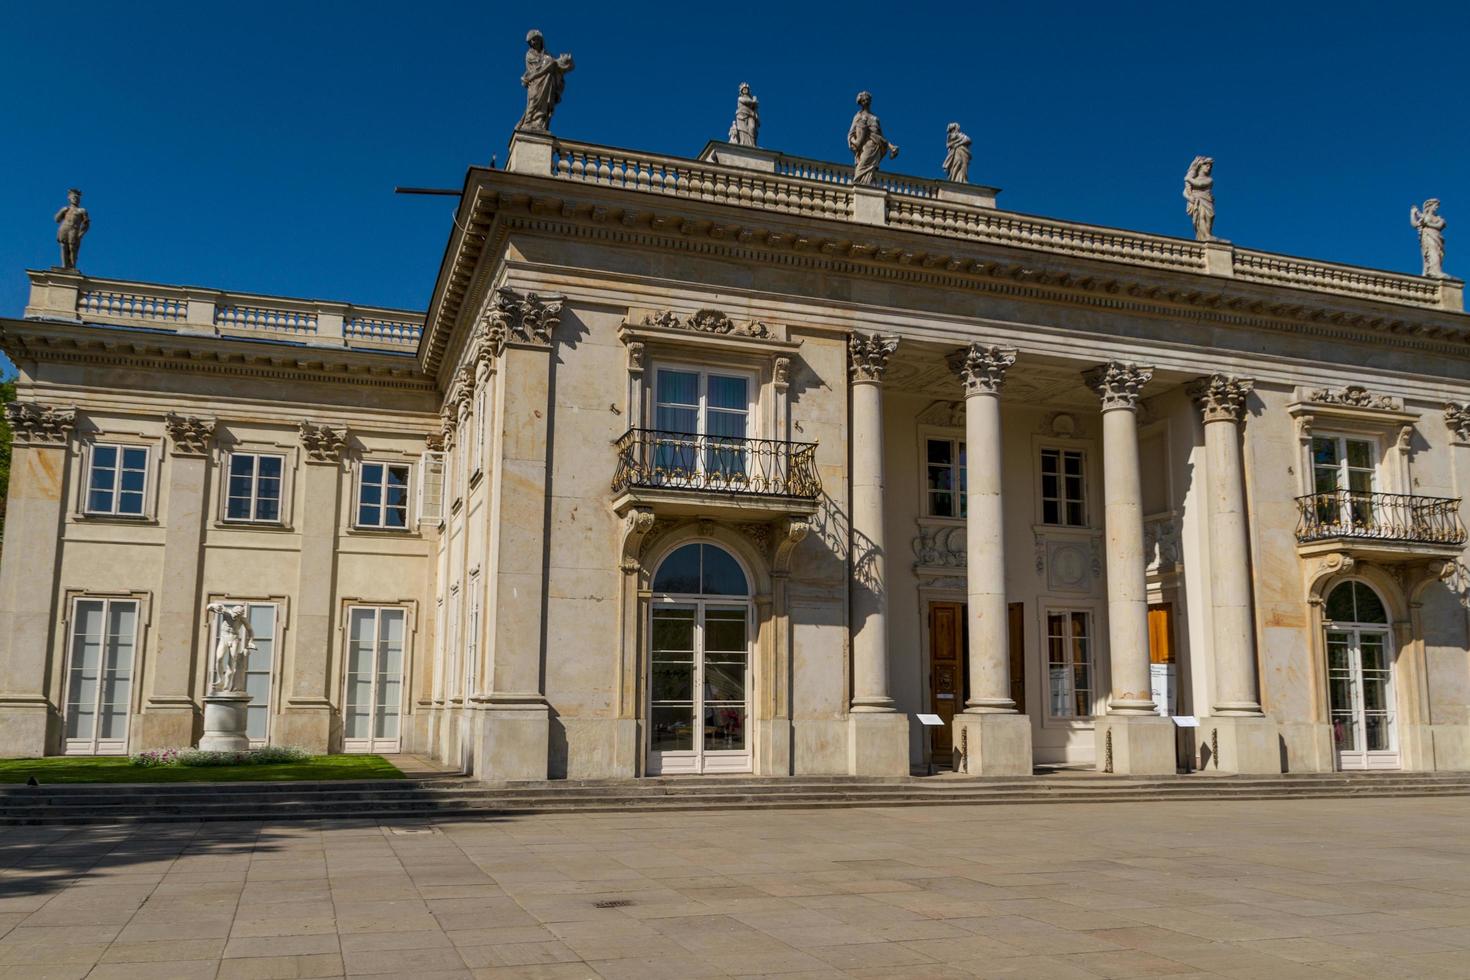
[(724, 464)]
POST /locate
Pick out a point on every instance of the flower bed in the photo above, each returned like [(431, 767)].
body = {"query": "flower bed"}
[(196, 758)]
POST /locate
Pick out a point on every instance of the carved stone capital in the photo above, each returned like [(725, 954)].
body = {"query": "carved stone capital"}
[(868, 355), (1118, 383), (487, 342), (636, 352), (1221, 397), (982, 367), (40, 425), (322, 443), (188, 435), (1457, 419), (529, 319)]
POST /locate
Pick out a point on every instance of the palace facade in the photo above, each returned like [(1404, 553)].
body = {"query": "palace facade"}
[(725, 464)]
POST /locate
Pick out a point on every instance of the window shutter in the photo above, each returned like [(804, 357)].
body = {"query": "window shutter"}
[(431, 488)]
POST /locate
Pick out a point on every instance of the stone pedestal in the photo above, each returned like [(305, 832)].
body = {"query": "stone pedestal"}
[(992, 744), (877, 743), (1245, 745), (1136, 745), (224, 723), (513, 742)]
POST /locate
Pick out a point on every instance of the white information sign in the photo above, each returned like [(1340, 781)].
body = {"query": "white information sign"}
[(931, 720), (1185, 721)]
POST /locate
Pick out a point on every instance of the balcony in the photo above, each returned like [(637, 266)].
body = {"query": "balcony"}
[(680, 473), (1381, 525)]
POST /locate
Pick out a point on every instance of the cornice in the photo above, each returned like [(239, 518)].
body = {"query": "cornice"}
[(70, 343), (519, 203)]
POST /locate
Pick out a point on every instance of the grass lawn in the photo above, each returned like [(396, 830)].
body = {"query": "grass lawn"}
[(119, 770)]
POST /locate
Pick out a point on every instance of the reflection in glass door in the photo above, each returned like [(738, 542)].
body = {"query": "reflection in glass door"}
[(99, 680), (374, 699), (699, 679)]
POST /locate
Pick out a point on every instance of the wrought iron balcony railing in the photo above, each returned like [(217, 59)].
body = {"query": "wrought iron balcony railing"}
[(659, 459), (1379, 517)]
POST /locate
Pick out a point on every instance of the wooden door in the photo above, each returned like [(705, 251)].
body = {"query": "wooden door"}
[(1016, 626), (946, 671)]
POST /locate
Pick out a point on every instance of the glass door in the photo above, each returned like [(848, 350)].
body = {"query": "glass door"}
[(99, 679), (374, 699), (703, 420), (699, 683), (1361, 699), (1344, 478)]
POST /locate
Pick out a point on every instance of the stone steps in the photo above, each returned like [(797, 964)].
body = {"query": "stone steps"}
[(445, 798)]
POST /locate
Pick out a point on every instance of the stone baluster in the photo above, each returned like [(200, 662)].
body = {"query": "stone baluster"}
[(42, 436), (1247, 741), (878, 736), (990, 737), (1132, 737)]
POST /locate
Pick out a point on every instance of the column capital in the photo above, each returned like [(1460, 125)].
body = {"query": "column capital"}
[(1457, 420), (322, 443), (982, 367), (1221, 397), (40, 425), (188, 434), (527, 320), (1117, 383), (868, 355)]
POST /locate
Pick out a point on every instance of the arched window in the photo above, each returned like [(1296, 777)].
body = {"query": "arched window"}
[(1355, 602), (701, 569)]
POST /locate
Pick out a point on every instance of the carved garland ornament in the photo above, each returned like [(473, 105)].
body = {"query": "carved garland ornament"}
[(1221, 397), (189, 434), (982, 368), (868, 356), (1118, 383), (37, 423), (1354, 396), (322, 443), (708, 321)]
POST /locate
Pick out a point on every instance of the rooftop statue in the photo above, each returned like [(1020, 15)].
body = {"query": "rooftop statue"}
[(72, 223), (865, 140), (544, 80), (1431, 236), (1199, 192), (957, 157), (747, 124)]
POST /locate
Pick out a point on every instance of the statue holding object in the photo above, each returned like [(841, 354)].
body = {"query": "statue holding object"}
[(544, 81), (1431, 236), (746, 127), (865, 140), (72, 223), (232, 648), (1199, 197)]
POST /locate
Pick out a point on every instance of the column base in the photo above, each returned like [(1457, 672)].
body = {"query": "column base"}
[(163, 727), (1136, 745), (23, 726), (877, 743), (305, 727), (1240, 744), (513, 741), (992, 744)]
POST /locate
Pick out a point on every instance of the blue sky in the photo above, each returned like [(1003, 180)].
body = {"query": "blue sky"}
[(255, 146)]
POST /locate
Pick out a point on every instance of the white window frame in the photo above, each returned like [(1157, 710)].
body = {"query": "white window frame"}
[(256, 455), (429, 461), (94, 744), (472, 635), (1068, 648), (752, 389), (482, 424), (1344, 469), (374, 744), (361, 481), (960, 470), (91, 465), (1062, 499)]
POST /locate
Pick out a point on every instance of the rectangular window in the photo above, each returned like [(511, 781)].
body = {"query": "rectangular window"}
[(472, 637), (945, 464), (382, 496), (482, 423), (118, 481), (100, 675), (1063, 497), (431, 488), (374, 696), (1069, 663), (254, 487), (1344, 477), (703, 420)]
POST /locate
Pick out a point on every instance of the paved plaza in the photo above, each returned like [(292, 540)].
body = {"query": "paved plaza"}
[(1285, 890)]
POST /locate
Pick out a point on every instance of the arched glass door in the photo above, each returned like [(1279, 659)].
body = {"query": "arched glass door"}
[(699, 664), (1360, 679)]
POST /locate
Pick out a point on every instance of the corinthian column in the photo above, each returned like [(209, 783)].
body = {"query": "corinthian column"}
[(1246, 740), (990, 738), (878, 742), (1132, 737)]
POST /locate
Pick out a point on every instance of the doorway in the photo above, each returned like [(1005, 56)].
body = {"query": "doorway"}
[(1360, 682), (949, 675), (374, 701)]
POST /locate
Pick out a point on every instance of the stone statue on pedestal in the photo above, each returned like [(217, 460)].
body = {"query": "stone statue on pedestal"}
[(865, 140), (1431, 236), (72, 223), (747, 124), (543, 82), (957, 157), (1199, 196), (231, 650)]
